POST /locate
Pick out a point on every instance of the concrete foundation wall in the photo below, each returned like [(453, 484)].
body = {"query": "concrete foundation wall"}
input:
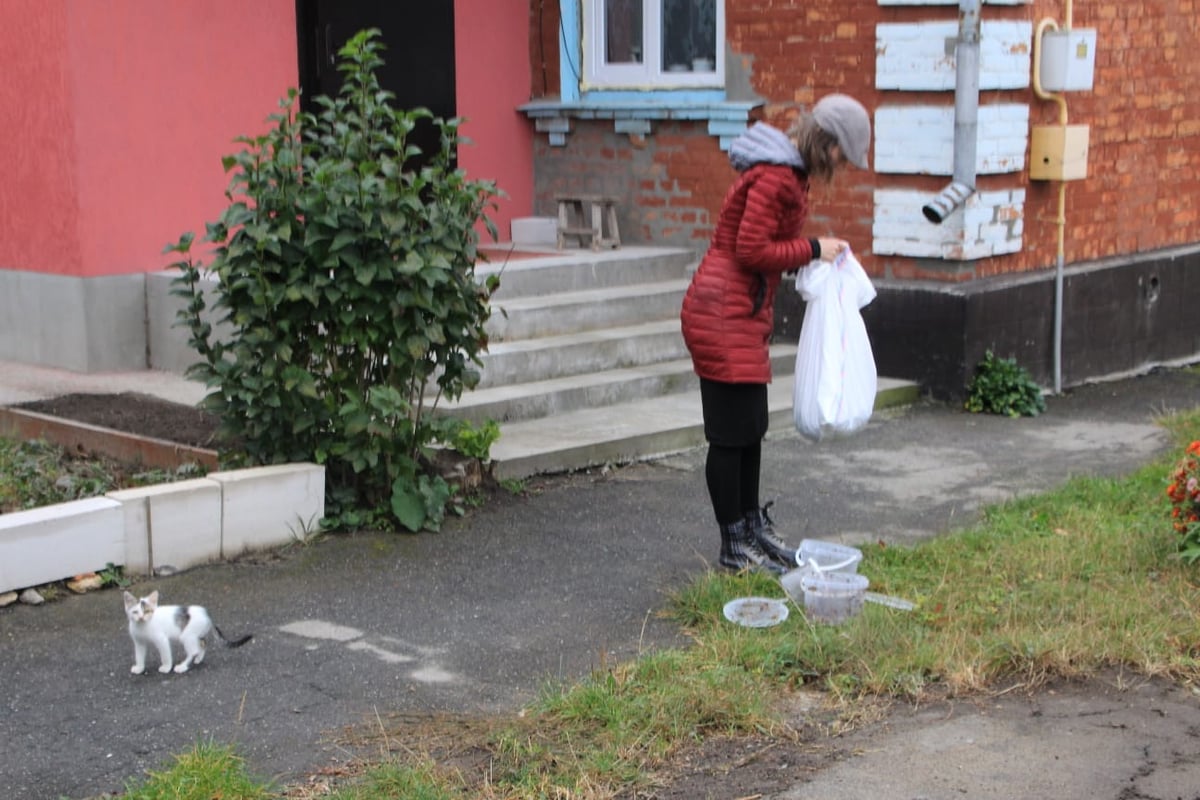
[(104, 324), (167, 346), (80, 324)]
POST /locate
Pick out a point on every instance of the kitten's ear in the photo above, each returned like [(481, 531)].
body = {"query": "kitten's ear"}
[(130, 601), (152, 599)]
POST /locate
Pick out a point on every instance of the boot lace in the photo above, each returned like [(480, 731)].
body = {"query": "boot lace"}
[(770, 544)]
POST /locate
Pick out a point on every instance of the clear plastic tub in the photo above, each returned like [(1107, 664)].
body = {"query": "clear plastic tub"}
[(791, 583), (833, 597), (829, 556)]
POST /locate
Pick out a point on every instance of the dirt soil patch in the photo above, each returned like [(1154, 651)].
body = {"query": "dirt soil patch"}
[(131, 412), (729, 767)]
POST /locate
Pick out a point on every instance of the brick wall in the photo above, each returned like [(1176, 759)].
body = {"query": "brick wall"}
[(1142, 192), (669, 183)]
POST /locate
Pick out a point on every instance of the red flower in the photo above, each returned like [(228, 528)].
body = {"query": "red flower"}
[(1183, 490)]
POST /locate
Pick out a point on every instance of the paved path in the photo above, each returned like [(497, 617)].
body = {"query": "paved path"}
[(548, 585)]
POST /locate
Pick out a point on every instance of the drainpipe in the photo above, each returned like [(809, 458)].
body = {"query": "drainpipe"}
[(966, 116)]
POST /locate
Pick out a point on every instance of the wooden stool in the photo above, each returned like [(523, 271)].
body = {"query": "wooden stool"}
[(574, 212)]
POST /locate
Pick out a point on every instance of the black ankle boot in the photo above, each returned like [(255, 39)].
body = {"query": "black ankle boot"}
[(763, 532), (740, 549)]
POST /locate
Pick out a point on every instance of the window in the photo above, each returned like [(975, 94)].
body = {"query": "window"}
[(654, 44)]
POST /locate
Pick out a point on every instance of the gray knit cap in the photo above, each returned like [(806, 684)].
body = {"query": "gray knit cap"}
[(846, 119)]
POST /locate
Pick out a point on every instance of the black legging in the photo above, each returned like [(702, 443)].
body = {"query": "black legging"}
[(732, 475)]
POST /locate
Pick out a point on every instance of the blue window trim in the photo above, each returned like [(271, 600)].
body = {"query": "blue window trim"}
[(726, 119), (632, 112)]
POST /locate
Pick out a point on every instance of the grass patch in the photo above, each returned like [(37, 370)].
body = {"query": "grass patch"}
[(206, 772), (396, 780), (1059, 585), (1079, 579)]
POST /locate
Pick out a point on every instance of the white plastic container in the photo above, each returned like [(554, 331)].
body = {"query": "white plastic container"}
[(829, 556), (833, 597), (791, 582)]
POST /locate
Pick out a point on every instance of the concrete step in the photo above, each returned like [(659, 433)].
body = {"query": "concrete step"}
[(537, 399), (540, 272), (635, 431), (586, 364), (547, 357), (535, 316)]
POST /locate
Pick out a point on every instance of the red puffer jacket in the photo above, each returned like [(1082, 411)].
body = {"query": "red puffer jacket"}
[(729, 310)]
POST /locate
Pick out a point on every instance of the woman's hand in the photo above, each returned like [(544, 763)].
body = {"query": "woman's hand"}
[(832, 248)]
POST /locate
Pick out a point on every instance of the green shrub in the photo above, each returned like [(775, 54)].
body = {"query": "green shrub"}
[(1001, 386), (346, 278)]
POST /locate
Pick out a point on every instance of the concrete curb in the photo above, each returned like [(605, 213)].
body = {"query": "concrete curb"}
[(163, 528)]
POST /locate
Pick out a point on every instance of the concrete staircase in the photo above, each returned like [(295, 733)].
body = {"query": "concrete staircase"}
[(586, 364)]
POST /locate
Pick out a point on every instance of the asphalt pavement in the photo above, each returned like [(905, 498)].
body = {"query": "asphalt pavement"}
[(548, 585)]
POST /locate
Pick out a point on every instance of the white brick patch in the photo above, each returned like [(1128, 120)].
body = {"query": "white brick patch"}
[(919, 140), (269, 506), (990, 224), (50, 543), (919, 56)]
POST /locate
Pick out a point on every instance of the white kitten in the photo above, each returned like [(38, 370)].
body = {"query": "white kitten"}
[(159, 626)]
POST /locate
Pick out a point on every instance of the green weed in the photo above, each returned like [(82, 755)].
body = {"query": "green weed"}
[(37, 473), (1001, 386)]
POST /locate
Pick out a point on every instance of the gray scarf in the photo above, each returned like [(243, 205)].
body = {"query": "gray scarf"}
[(763, 144)]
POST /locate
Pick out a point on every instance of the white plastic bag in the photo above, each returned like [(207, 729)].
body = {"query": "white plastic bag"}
[(835, 377)]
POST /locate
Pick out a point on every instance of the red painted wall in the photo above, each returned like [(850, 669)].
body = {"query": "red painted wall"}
[(120, 112), (492, 76), (116, 116), (38, 210)]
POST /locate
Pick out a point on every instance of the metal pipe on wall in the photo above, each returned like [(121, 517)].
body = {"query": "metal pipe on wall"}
[(1060, 219), (966, 115)]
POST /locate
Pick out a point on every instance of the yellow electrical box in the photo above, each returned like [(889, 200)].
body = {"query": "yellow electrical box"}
[(1058, 152)]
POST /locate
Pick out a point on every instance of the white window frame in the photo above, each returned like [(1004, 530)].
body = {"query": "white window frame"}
[(648, 74)]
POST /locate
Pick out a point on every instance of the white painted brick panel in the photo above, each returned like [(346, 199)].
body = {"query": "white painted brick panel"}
[(951, 2), (919, 56), (990, 224), (919, 140), (53, 542)]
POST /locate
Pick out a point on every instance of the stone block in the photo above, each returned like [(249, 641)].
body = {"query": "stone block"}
[(269, 506), (171, 525), (539, 231), (53, 542)]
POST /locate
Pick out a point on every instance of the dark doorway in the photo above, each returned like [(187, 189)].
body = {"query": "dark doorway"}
[(418, 57)]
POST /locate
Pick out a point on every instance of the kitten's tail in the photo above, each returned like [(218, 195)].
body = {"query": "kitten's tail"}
[(233, 642)]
